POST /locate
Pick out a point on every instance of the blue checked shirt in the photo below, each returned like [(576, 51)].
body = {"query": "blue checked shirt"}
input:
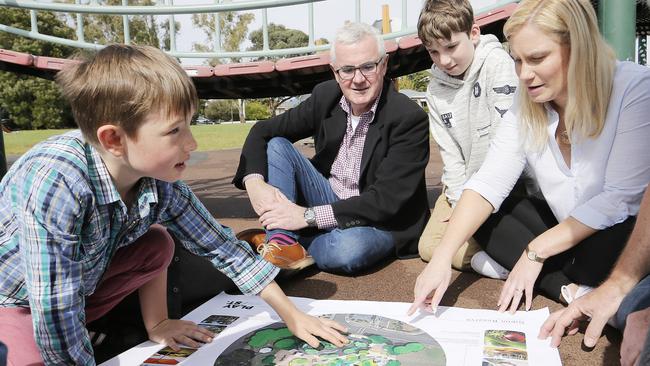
[(61, 222)]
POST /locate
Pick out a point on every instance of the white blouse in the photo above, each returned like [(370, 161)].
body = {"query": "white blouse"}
[(608, 174)]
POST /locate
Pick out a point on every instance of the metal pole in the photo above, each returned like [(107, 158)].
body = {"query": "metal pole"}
[(617, 21), (265, 30), (125, 25), (404, 15), (310, 10), (3, 156)]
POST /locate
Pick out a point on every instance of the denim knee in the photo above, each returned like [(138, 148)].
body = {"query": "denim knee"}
[(341, 255), (277, 146)]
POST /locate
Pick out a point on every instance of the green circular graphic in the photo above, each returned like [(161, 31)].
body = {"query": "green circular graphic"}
[(374, 341)]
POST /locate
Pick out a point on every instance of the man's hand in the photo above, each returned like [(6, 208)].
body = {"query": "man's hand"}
[(634, 336), (283, 214), (261, 194), (171, 332), (599, 305)]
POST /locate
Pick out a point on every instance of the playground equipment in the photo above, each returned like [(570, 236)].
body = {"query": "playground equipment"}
[(294, 75)]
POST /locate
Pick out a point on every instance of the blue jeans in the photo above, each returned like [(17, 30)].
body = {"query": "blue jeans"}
[(637, 299), (335, 250)]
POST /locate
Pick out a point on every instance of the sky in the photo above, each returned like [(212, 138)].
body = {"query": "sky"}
[(328, 16)]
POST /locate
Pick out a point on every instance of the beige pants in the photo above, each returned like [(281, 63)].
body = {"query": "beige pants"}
[(433, 232)]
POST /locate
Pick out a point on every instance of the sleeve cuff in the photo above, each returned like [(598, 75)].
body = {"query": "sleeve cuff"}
[(325, 217), (253, 281), (486, 192), (596, 219), (251, 176)]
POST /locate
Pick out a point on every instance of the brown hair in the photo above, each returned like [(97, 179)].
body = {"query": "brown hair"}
[(440, 18), (121, 85)]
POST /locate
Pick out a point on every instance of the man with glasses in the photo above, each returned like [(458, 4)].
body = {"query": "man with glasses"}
[(362, 197)]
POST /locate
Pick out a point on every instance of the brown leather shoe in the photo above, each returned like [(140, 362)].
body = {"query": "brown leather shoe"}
[(254, 237), (293, 256)]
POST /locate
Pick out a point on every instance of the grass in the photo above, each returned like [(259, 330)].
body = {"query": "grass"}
[(208, 137)]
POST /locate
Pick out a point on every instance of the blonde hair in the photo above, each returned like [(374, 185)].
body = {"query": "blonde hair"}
[(590, 73), (123, 84), (439, 19)]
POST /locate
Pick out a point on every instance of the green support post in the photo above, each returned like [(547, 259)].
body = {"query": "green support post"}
[(3, 156), (617, 21)]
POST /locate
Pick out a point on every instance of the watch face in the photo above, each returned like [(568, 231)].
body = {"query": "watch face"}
[(532, 256)]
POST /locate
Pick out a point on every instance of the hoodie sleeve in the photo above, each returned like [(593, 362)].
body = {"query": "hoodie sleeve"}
[(453, 162), (502, 82)]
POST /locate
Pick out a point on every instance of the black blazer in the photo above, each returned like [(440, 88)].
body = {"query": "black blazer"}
[(392, 188)]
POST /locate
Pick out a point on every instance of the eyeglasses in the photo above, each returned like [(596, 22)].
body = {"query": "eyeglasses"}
[(367, 70)]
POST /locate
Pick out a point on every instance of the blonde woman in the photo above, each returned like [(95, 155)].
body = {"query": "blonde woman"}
[(581, 123)]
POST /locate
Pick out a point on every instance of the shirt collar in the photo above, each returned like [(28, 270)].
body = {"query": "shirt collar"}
[(347, 108), (100, 179), (105, 191)]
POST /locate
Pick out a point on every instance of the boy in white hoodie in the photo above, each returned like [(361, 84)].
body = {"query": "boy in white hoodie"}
[(472, 83)]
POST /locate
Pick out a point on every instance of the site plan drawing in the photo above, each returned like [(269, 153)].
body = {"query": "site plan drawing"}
[(250, 333)]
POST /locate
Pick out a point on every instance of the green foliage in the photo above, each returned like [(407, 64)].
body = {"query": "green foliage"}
[(417, 81), (143, 29), (280, 37), (233, 27), (257, 111), (221, 110), (30, 102), (34, 103)]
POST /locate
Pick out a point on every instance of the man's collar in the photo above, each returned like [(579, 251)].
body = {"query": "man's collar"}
[(347, 108)]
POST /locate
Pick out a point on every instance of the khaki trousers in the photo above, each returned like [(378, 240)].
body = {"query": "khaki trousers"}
[(434, 230)]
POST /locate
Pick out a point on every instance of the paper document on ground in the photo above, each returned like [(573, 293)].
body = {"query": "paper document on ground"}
[(250, 333)]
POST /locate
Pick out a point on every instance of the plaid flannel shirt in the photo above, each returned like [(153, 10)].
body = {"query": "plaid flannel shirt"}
[(61, 222)]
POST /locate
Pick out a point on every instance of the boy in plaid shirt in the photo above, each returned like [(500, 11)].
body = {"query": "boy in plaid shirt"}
[(85, 216)]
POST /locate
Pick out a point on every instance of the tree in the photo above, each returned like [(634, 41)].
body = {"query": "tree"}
[(281, 37), (221, 110), (143, 29), (257, 111), (29, 101), (34, 103), (233, 27), (417, 81)]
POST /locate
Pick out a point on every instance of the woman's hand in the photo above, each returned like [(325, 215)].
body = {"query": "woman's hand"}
[(520, 283), (171, 332), (307, 328), (430, 286)]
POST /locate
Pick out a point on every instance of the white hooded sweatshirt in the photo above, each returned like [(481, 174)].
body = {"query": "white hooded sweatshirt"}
[(464, 113)]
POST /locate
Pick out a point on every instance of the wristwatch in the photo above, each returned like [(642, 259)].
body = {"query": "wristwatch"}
[(310, 216), (532, 255)]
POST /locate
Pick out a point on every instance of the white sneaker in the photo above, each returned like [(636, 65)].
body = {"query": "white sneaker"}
[(483, 264), (568, 297)]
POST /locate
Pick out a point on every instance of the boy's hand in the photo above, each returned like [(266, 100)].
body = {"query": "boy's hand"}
[(171, 332), (303, 326), (307, 328)]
